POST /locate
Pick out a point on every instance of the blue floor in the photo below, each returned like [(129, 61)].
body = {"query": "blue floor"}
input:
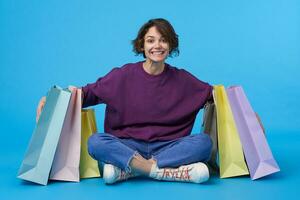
[(255, 44), (285, 184)]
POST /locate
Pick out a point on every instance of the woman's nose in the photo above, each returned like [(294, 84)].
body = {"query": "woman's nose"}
[(157, 44)]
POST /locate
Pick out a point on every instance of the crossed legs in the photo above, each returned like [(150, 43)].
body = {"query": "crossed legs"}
[(129, 157)]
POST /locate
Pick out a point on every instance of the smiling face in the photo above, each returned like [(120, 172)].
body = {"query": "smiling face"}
[(156, 48)]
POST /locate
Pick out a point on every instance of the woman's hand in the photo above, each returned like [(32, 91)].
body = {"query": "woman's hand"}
[(43, 101), (258, 118), (72, 88), (40, 108)]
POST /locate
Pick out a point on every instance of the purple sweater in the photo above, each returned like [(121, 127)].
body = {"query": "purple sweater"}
[(148, 107)]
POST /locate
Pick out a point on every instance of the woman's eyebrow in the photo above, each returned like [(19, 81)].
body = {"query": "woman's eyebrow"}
[(150, 36)]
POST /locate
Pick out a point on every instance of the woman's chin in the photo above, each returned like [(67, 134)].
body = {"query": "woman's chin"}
[(157, 60)]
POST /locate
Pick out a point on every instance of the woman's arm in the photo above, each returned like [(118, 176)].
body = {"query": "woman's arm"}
[(43, 101)]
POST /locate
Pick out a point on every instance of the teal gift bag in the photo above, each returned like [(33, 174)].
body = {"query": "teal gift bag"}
[(39, 156)]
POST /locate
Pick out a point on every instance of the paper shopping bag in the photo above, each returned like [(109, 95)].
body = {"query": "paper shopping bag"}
[(39, 156), (209, 126), (231, 157), (88, 166), (258, 154), (65, 166)]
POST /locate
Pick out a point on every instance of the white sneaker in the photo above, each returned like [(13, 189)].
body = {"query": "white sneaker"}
[(195, 173), (112, 174)]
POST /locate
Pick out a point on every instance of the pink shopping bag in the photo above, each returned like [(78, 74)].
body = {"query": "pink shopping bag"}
[(65, 166)]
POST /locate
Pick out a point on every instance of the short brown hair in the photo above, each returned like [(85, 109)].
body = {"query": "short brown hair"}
[(164, 28)]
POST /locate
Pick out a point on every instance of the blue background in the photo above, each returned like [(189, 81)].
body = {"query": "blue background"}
[(255, 44)]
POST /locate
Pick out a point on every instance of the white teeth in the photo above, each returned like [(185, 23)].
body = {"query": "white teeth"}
[(157, 52)]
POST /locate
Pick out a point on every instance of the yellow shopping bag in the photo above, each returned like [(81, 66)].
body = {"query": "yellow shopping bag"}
[(88, 166), (231, 157)]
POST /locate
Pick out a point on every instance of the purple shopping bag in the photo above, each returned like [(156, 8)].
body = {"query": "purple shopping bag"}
[(258, 154)]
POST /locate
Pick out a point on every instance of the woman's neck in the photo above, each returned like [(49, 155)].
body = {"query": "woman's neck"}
[(153, 68)]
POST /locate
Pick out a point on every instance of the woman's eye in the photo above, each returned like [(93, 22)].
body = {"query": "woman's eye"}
[(150, 41)]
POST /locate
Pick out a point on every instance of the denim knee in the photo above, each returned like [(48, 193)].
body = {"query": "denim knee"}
[(205, 144), (92, 144), (95, 143), (98, 144), (209, 146)]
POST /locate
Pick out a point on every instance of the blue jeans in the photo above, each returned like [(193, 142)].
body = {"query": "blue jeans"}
[(119, 152)]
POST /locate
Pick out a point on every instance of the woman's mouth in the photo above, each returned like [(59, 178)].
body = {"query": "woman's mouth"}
[(157, 52)]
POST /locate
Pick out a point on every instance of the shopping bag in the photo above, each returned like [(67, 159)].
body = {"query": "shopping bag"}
[(65, 166), (39, 156), (88, 166), (258, 154), (231, 157), (209, 126)]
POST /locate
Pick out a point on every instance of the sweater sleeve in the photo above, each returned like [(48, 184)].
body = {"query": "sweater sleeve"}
[(206, 92), (203, 89), (102, 90)]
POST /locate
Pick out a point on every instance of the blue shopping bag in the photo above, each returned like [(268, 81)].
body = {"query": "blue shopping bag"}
[(39, 156)]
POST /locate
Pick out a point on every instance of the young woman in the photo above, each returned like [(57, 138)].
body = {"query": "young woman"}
[(151, 107)]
